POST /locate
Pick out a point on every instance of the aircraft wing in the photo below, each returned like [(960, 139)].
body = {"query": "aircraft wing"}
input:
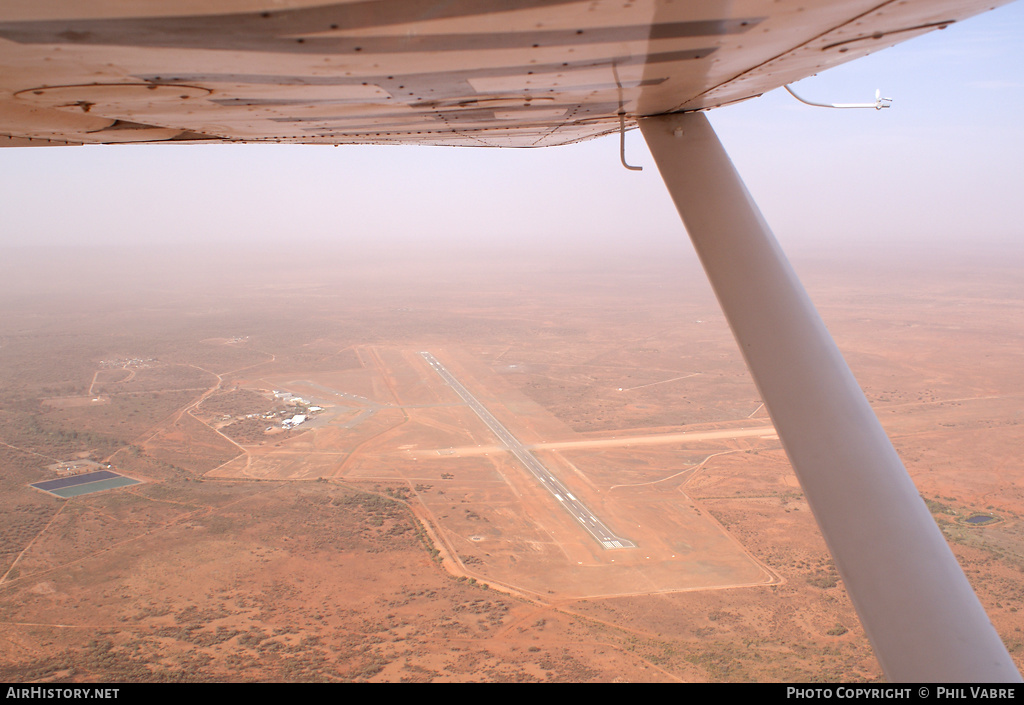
[(496, 73), (532, 73)]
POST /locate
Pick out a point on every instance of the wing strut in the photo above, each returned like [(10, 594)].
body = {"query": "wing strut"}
[(920, 613)]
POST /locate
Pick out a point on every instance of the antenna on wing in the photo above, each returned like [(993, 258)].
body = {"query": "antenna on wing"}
[(622, 144), (879, 103)]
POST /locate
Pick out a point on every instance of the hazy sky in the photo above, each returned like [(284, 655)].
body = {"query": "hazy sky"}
[(946, 163)]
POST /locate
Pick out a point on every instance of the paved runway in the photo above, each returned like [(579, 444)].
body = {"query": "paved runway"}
[(594, 526)]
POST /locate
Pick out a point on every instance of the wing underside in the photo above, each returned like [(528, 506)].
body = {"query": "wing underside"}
[(497, 73)]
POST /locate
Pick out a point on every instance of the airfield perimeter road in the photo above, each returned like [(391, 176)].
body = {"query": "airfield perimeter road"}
[(594, 526)]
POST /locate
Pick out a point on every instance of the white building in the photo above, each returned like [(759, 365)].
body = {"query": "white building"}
[(293, 421)]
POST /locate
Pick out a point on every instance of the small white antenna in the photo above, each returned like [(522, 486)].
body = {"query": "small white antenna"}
[(879, 103)]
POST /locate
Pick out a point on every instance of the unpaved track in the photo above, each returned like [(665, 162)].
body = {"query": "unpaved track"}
[(767, 432)]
